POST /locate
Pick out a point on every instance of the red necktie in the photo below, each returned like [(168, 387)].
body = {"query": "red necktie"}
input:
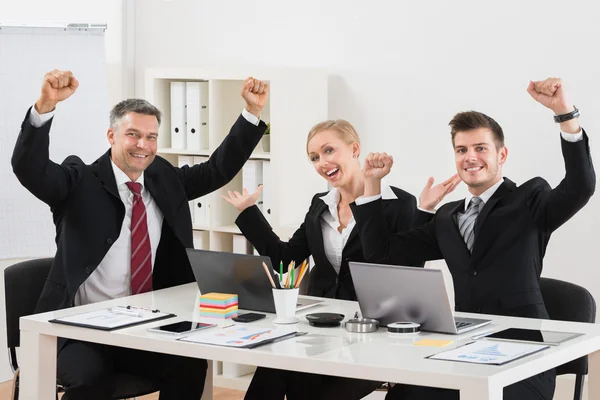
[(141, 253)]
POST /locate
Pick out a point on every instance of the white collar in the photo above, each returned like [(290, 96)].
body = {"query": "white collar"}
[(121, 177), (485, 196)]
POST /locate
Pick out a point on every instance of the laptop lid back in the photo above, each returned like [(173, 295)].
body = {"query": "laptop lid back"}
[(240, 274), (391, 293)]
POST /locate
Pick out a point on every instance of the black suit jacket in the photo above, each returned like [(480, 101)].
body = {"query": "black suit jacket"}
[(399, 215), (501, 276), (88, 212)]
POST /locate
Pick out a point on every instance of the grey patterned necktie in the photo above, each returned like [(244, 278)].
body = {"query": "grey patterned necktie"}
[(466, 222)]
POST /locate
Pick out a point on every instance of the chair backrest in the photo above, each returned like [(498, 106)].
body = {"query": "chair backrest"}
[(567, 301), (23, 284)]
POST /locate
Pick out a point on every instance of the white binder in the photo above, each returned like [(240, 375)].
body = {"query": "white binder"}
[(201, 204), (252, 176), (197, 115), (178, 115), (267, 190), (187, 160)]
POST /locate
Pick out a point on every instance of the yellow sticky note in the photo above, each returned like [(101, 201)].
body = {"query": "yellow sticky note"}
[(433, 342)]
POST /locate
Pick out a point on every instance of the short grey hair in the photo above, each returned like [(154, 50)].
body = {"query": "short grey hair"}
[(139, 106)]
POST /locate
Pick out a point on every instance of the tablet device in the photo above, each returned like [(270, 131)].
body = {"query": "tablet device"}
[(180, 328), (551, 338)]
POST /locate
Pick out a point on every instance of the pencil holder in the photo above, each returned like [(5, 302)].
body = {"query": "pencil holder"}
[(285, 305)]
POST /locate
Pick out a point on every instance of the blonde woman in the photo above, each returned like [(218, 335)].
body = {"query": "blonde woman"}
[(328, 235)]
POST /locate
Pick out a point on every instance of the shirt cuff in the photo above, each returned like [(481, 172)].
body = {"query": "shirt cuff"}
[(253, 119), (37, 120), (424, 210), (572, 137), (364, 200)]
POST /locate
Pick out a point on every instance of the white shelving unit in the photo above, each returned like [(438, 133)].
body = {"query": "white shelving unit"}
[(297, 101)]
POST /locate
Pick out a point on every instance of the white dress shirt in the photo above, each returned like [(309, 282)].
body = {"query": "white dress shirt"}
[(334, 241), (112, 278)]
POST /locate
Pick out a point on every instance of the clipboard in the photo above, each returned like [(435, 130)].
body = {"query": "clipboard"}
[(489, 352), (113, 318)]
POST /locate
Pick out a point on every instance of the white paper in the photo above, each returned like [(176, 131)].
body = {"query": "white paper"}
[(110, 318), (240, 335), (489, 352)]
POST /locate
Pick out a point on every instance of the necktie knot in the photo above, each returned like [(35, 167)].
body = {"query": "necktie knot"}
[(135, 187), (475, 202)]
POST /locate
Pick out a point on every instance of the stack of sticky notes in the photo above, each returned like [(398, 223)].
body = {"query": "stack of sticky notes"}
[(219, 305)]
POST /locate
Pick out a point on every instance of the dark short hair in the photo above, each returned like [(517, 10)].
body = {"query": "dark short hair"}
[(469, 120), (139, 106)]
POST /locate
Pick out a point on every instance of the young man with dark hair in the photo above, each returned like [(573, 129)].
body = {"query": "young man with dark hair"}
[(493, 241)]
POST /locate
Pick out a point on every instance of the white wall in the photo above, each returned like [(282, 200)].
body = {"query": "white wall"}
[(111, 12), (401, 69)]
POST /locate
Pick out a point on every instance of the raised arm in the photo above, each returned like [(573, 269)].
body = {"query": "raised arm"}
[(553, 207), (379, 244), (47, 180), (259, 232), (228, 159)]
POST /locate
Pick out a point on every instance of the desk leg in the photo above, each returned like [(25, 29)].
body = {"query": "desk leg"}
[(481, 391), (38, 367), (208, 383), (593, 380)]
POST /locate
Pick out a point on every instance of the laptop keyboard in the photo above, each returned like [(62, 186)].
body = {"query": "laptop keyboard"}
[(461, 324)]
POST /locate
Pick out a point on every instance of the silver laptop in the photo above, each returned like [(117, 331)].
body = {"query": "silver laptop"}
[(240, 274), (391, 293)]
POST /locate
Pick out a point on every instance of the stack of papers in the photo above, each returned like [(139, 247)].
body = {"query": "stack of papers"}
[(243, 336), (489, 352)]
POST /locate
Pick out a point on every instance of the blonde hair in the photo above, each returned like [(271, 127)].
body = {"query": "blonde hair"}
[(344, 129)]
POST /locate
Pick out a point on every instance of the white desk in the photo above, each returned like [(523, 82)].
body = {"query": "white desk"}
[(329, 351)]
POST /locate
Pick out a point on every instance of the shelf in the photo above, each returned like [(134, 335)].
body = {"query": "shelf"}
[(227, 229), (205, 152), (257, 155), (290, 87)]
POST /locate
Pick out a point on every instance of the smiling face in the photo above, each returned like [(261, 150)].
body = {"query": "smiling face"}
[(333, 158), (134, 143), (478, 160)]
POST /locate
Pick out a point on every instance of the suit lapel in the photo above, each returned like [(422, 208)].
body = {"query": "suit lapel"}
[(107, 175), (450, 236), (318, 240), (480, 234), (506, 187), (159, 191)]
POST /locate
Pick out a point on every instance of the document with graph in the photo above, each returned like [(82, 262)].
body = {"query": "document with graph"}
[(488, 352), (245, 336)]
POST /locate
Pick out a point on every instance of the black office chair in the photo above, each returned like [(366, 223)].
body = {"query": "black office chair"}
[(23, 283), (566, 301)]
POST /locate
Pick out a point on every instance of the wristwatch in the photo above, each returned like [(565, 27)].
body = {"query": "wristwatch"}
[(565, 117)]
